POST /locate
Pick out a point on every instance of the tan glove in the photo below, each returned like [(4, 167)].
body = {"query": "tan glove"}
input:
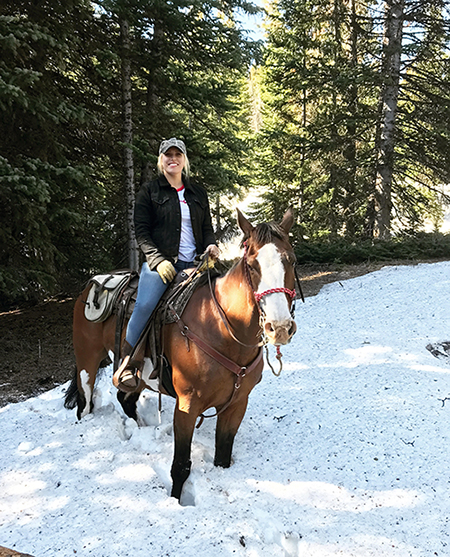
[(209, 257), (166, 271), (207, 263)]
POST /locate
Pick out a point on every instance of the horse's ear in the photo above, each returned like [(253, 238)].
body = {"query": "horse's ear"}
[(288, 220), (244, 224)]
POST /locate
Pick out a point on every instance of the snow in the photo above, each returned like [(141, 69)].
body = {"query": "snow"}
[(346, 453)]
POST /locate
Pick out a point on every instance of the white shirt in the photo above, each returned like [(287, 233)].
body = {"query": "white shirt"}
[(187, 248)]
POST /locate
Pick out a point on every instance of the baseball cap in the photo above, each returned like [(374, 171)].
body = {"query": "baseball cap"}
[(172, 142)]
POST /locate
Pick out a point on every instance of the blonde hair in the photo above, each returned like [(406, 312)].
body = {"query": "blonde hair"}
[(186, 167)]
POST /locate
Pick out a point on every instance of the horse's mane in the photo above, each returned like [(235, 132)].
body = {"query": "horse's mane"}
[(265, 232)]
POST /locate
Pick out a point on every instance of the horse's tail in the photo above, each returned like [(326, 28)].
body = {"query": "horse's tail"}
[(71, 396)]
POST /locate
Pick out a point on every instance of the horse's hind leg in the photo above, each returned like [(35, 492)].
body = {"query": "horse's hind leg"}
[(88, 357), (86, 374), (228, 423), (89, 348)]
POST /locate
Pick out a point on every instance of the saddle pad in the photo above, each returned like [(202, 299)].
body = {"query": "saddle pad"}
[(102, 296), (111, 281)]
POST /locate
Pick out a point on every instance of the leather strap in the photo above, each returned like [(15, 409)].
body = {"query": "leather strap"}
[(98, 290), (118, 333), (299, 284), (123, 304), (239, 371)]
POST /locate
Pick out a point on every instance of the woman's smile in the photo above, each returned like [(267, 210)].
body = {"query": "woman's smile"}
[(173, 161)]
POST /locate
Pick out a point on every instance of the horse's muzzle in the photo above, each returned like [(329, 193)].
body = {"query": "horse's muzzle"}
[(280, 332)]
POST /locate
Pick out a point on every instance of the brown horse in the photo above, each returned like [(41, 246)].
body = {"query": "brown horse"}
[(215, 350)]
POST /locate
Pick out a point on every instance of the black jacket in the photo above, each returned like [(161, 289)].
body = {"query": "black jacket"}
[(157, 219)]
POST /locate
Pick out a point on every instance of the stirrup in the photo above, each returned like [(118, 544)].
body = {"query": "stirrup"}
[(127, 377)]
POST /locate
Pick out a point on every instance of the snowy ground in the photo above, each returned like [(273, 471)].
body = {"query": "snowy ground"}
[(347, 453)]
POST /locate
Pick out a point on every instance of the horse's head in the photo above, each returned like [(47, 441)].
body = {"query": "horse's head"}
[(269, 261)]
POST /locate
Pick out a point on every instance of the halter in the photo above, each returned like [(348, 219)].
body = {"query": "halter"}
[(259, 296)]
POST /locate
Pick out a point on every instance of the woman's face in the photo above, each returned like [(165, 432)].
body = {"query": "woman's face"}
[(173, 161)]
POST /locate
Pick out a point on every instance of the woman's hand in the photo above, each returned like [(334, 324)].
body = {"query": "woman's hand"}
[(213, 251), (166, 271)]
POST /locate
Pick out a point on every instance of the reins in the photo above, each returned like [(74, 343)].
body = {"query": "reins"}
[(239, 371), (225, 319)]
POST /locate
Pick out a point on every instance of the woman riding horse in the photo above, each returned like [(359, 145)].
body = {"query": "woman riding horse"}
[(214, 350), (172, 224)]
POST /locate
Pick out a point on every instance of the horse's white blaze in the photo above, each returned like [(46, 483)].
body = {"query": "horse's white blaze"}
[(275, 305), (87, 391)]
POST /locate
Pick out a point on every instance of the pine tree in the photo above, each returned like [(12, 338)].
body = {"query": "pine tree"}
[(188, 68), (61, 169), (355, 130), (47, 183), (385, 145), (318, 106)]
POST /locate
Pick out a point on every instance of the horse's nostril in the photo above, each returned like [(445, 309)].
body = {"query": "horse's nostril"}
[(292, 329), (269, 328)]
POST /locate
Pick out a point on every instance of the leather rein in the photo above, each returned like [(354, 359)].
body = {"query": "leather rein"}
[(239, 371)]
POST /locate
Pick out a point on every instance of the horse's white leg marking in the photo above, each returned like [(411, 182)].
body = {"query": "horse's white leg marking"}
[(87, 391), (153, 384), (272, 276)]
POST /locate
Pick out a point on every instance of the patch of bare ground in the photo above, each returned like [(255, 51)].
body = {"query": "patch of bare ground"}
[(35, 349), (5, 552), (36, 343)]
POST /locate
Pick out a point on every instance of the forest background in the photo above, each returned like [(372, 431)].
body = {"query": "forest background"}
[(342, 112)]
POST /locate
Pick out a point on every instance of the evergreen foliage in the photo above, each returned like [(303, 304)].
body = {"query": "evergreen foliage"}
[(61, 169), (48, 113), (302, 124), (405, 247), (322, 84)]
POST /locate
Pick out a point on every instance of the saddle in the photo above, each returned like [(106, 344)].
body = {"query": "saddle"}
[(115, 293), (169, 309)]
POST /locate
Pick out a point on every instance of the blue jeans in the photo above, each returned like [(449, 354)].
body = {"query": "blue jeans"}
[(150, 289)]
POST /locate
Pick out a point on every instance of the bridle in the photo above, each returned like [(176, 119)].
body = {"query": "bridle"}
[(238, 371), (260, 295)]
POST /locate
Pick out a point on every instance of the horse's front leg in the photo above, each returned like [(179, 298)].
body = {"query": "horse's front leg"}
[(183, 423), (228, 423)]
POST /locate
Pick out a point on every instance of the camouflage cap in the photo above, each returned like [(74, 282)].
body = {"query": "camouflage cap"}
[(172, 142)]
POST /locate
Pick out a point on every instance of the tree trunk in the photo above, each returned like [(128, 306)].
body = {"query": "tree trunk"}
[(127, 139), (392, 46), (154, 125), (350, 145)]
